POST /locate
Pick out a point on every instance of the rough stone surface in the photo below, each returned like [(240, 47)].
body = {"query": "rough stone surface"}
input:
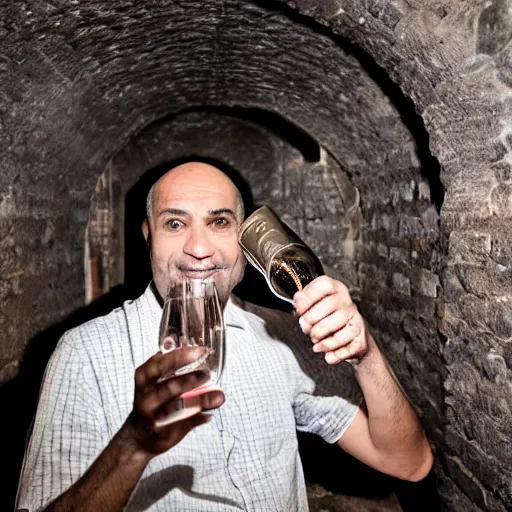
[(406, 189), (321, 500)]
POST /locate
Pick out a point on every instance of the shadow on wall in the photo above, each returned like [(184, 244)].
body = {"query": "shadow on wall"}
[(340, 473), (18, 398)]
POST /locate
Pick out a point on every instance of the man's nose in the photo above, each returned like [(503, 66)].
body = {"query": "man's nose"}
[(198, 244)]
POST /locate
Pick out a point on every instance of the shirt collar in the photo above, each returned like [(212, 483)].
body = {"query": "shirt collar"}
[(154, 300), (233, 313)]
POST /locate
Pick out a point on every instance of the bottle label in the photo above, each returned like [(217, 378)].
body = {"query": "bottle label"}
[(277, 252)]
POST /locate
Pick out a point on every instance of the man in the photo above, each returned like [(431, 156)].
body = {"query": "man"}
[(95, 445)]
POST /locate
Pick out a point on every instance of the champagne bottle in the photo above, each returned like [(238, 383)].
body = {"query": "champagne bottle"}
[(274, 249), (293, 270)]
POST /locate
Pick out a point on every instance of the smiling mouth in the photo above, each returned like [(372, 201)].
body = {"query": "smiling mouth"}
[(199, 273)]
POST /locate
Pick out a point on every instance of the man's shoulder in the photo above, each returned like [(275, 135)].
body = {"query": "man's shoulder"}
[(112, 323), (99, 323), (275, 323), (257, 312)]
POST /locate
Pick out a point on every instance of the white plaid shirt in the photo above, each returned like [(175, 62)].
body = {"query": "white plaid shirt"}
[(246, 458)]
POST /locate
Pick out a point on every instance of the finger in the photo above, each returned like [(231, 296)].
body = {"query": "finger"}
[(174, 413), (352, 351), (188, 424), (183, 418), (326, 317), (317, 312), (212, 400), (329, 325), (208, 397), (171, 434), (161, 364), (340, 338), (169, 390), (184, 370), (316, 290), (199, 419)]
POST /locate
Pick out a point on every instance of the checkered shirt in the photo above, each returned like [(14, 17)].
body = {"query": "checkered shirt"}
[(246, 458)]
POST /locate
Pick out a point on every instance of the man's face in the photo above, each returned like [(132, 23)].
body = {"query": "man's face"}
[(194, 229)]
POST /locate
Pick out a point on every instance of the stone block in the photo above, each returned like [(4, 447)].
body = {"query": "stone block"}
[(389, 14), (454, 499), (486, 314), (423, 334), (490, 282), (407, 191), (469, 248), (388, 223), (427, 283), (9, 372), (7, 203), (479, 411), (501, 200), (501, 247), (491, 41), (401, 283), (497, 370), (452, 287), (467, 356), (395, 317), (424, 386), (502, 171), (347, 272), (322, 500), (410, 227), (430, 222), (432, 415), (372, 275), (383, 250), (399, 255), (382, 227), (372, 252), (424, 190), (384, 331), (470, 453), (468, 194), (470, 485)]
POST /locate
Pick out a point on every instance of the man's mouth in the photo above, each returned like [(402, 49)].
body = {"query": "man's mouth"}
[(199, 273)]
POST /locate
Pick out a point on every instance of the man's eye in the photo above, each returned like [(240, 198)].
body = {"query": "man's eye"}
[(174, 224), (221, 222)]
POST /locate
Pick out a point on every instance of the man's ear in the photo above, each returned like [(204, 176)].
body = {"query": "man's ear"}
[(145, 231)]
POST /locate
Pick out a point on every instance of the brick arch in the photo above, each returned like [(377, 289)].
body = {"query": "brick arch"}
[(78, 84)]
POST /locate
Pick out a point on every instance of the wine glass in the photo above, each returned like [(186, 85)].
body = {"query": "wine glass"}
[(193, 317)]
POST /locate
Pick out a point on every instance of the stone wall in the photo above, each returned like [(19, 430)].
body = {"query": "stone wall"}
[(409, 198)]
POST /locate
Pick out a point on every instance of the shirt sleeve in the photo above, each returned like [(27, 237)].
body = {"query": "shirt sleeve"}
[(327, 397), (69, 429), (326, 416)]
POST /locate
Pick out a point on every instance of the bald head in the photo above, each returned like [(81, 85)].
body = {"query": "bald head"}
[(197, 172), (193, 215)]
